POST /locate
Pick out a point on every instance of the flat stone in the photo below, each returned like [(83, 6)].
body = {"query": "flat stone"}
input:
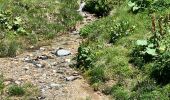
[(6, 83), (43, 57), (17, 82), (42, 49), (76, 74), (63, 52), (74, 32), (54, 85), (40, 65), (71, 78), (68, 60), (27, 59), (26, 68)]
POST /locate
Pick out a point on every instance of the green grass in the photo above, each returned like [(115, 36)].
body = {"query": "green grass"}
[(110, 61), (15, 90), (31, 21), (25, 91)]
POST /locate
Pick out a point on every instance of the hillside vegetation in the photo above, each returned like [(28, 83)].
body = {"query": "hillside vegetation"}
[(126, 52), (27, 25), (30, 23)]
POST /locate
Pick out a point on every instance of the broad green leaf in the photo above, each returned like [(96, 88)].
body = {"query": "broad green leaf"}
[(142, 42), (135, 8), (151, 51), (131, 4), (162, 48), (151, 45)]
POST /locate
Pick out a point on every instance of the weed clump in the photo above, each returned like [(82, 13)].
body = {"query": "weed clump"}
[(15, 90)]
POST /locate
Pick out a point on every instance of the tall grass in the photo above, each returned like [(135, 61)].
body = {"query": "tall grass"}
[(110, 64), (37, 20)]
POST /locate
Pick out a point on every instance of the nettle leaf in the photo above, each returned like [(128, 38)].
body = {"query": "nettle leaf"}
[(136, 8), (151, 51), (151, 45), (142, 42), (162, 48), (131, 4), (168, 30)]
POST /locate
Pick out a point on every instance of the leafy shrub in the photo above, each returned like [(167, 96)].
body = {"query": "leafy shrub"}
[(107, 29), (99, 7), (119, 93), (98, 28), (15, 90), (97, 75), (143, 53), (161, 69), (159, 5), (1, 84), (84, 58), (139, 5), (8, 48), (148, 89), (120, 29), (150, 5), (33, 20)]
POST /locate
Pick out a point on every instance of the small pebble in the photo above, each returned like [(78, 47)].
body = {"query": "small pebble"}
[(63, 52), (54, 85), (71, 78), (42, 49), (40, 65), (17, 82)]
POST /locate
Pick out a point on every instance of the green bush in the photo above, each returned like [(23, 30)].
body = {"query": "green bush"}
[(8, 48), (120, 29), (148, 90), (97, 75), (119, 93), (161, 69), (2, 86), (99, 7), (150, 5), (139, 5), (31, 21), (144, 52), (84, 58), (15, 90)]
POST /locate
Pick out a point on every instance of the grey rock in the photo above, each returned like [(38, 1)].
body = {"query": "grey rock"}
[(38, 65), (42, 49), (43, 57), (26, 68), (63, 52), (54, 64), (6, 83), (27, 59), (75, 74), (71, 78), (41, 97), (54, 85), (17, 82), (74, 32)]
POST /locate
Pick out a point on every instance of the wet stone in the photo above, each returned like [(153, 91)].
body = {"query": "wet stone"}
[(62, 52), (38, 65), (71, 78)]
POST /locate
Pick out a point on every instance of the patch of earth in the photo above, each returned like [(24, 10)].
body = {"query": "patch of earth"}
[(49, 69)]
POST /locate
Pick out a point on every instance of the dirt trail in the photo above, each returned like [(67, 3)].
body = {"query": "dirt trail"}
[(51, 73)]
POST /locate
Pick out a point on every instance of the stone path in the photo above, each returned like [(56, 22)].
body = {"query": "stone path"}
[(50, 70)]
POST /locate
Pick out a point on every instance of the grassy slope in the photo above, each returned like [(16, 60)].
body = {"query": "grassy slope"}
[(39, 20), (110, 70)]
